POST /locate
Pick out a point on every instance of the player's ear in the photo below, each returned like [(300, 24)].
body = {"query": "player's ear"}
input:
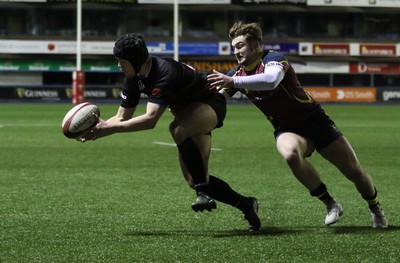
[(255, 44), (259, 45)]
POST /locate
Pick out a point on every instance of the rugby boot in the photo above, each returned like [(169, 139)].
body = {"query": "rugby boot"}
[(203, 202)]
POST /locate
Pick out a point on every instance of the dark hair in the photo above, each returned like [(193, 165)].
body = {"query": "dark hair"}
[(132, 47), (252, 31)]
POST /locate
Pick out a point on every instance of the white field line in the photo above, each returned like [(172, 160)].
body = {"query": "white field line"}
[(356, 125), (174, 145), (28, 125)]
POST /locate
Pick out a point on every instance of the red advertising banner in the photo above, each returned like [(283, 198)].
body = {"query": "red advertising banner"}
[(346, 94), (320, 49), (379, 67), (377, 50)]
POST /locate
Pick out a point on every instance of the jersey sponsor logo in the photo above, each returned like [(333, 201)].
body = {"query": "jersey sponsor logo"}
[(274, 63)]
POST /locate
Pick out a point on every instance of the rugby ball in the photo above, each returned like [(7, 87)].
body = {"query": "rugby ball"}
[(80, 119)]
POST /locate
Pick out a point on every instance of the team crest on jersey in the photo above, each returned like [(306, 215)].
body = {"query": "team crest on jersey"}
[(155, 92)]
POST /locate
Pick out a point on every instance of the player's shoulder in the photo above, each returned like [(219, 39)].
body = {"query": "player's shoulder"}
[(272, 55), (160, 62), (162, 67), (232, 72), (167, 64)]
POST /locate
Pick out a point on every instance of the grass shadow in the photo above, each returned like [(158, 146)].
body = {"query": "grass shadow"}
[(363, 229), (271, 231), (267, 231)]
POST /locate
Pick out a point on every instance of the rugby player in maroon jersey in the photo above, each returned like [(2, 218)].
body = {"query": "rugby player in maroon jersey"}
[(197, 109), (301, 125)]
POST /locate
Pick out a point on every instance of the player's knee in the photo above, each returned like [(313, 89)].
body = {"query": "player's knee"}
[(177, 132), (291, 156)]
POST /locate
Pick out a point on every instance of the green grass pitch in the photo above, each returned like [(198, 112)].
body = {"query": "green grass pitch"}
[(123, 198)]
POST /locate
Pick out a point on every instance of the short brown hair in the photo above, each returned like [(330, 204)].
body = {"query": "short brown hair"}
[(250, 31)]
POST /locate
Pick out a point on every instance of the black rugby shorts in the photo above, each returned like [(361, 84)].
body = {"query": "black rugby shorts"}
[(217, 102), (319, 128)]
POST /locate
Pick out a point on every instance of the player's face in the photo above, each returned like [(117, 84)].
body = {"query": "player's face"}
[(126, 67), (245, 51)]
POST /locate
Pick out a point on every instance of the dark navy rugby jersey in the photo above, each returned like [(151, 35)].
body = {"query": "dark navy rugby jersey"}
[(169, 83)]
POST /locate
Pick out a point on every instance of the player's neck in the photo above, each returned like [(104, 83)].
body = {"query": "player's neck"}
[(145, 69), (252, 65)]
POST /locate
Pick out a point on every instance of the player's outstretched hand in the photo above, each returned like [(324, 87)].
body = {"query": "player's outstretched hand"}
[(98, 131), (219, 79)]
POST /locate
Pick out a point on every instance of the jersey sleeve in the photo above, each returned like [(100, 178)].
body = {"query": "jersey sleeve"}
[(274, 56), (130, 94), (160, 92)]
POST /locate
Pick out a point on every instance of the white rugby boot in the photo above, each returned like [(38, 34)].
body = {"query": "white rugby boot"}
[(335, 210), (378, 217)]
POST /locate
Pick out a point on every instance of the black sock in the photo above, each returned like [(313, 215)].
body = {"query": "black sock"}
[(372, 201), (322, 194), (221, 191), (191, 156)]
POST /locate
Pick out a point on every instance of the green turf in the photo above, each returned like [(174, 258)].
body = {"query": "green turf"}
[(123, 198)]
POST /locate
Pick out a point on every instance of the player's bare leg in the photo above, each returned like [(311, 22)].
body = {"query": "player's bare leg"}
[(294, 149), (196, 120), (216, 188), (341, 154)]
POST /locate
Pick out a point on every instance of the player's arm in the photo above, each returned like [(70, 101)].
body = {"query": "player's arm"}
[(268, 80), (124, 121), (123, 114)]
